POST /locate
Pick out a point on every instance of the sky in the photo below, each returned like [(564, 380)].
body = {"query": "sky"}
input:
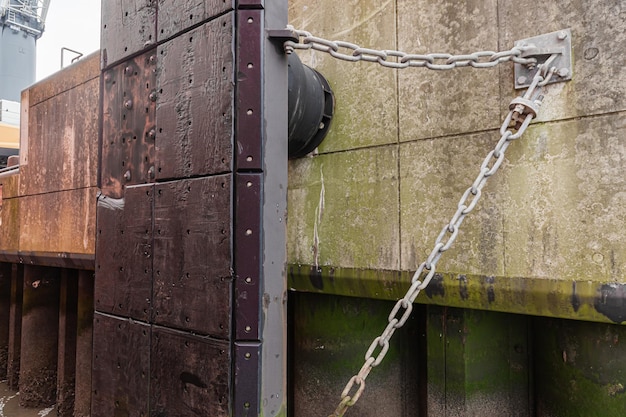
[(73, 24)]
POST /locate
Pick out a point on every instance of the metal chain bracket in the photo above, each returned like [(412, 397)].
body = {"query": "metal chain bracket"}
[(522, 110)]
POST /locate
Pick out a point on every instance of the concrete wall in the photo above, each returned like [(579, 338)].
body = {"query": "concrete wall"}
[(546, 239), (405, 144)]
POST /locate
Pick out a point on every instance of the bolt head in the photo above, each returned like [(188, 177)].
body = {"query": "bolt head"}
[(522, 80), (563, 72), (562, 35), (127, 175), (128, 104)]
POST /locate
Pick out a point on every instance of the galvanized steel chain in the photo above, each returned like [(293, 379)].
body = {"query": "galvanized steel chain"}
[(397, 59), (522, 110)]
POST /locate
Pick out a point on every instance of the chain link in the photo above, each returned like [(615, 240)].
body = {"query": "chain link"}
[(347, 51), (522, 110)]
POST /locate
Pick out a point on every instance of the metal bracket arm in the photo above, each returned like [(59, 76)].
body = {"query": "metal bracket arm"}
[(543, 47)]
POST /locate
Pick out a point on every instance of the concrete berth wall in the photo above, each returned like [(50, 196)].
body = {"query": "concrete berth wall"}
[(545, 240)]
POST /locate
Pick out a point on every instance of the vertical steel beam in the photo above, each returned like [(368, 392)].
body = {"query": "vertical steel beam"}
[(66, 362), (274, 305), (5, 308), (15, 326), (260, 209), (40, 323), (84, 341)]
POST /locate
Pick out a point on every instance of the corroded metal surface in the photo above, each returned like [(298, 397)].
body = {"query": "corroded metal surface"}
[(128, 124), (40, 322)]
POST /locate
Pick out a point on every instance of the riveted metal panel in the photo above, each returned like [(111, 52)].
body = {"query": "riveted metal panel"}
[(192, 261), (195, 102), (121, 366), (190, 375), (247, 255), (128, 26), (249, 108), (128, 124), (123, 283), (176, 16), (247, 363)]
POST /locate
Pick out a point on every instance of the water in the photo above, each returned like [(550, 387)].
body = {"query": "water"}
[(9, 405)]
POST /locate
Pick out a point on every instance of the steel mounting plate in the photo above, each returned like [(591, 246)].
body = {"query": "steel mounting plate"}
[(541, 47)]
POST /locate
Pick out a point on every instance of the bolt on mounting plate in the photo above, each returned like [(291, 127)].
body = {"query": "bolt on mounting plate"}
[(542, 47)]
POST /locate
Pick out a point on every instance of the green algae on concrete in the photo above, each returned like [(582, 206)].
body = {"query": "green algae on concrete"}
[(579, 300), (443, 103), (580, 368), (329, 338), (478, 363), (343, 209)]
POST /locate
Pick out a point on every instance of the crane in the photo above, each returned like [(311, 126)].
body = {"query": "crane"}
[(22, 22)]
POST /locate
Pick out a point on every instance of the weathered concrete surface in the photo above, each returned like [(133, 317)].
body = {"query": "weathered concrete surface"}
[(434, 175), (598, 39), (547, 236), (366, 95), (552, 211), (562, 210), (344, 209), (442, 103)]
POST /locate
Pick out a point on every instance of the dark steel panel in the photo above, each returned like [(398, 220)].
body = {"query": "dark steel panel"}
[(124, 254), (192, 255), (128, 26), (195, 102), (249, 109), (5, 313), (257, 4), (128, 124), (189, 375), (66, 358), (248, 256), (177, 15), (247, 364), (121, 366), (84, 344)]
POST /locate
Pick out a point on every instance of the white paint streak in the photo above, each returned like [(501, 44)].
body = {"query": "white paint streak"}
[(3, 401), (319, 212), (45, 411)]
